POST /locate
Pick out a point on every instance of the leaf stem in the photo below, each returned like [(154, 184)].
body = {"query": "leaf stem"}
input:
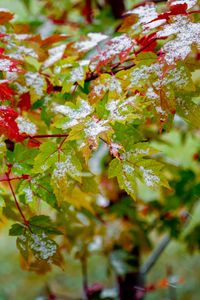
[(26, 222), (41, 136)]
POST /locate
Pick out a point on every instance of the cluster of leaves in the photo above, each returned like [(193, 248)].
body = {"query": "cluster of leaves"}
[(64, 103)]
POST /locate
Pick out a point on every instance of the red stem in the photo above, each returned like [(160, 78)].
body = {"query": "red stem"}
[(59, 148), (11, 179), (41, 136), (17, 203)]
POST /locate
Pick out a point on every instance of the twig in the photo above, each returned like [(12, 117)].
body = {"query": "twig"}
[(84, 278), (26, 222)]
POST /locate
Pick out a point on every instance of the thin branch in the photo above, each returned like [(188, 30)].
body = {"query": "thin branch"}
[(42, 136), (84, 278), (26, 222), (155, 255)]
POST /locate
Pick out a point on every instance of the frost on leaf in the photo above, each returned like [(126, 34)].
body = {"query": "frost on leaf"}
[(70, 166), (186, 35), (93, 40), (140, 76), (125, 176), (75, 75), (103, 84), (149, 177), (190, 3), (94, 128), (28, 194), (74, 114), (26, 126), (55, 54), (137, 165), (42, 246), (36, 83), (123, 110), (9, 65), (118, 47), (146, 13)]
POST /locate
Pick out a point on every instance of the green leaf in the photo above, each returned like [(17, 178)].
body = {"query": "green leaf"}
[(46, 158), (17, 229), (44, 224)]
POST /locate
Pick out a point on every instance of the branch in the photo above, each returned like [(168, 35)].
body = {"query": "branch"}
[(159, 250), (26, 222), (42, 136), (155, 255), (84, 278)]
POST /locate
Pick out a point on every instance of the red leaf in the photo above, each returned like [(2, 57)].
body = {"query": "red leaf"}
[(55, 38), (148, 43), (33, 143), (5, 92), (8, 126), (176, 9), (5, 17), (25, 102), (118, 47), (8, 64)]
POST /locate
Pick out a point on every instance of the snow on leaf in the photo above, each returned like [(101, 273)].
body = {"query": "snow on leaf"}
[(146, 13), (186, 34), (94, 128), (117, 47), (149, 177), (71, 166), (55, 54), (36, 83), (8, 65), (125, 176), (42, 246), (137, 165), (46, 158), (75, 75), (93, 40), (122, 110), (28, 194), (105, 83), (140, 75), (190, 3), (26, 126), (151, 172), (74, 114)]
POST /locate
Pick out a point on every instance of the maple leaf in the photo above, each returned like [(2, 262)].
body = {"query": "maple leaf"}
[(91, 42), (118, 47), (8, 124), (175, 9), (186, 34), (5, 16), (8, 64), (25, 102), (6, 93)]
